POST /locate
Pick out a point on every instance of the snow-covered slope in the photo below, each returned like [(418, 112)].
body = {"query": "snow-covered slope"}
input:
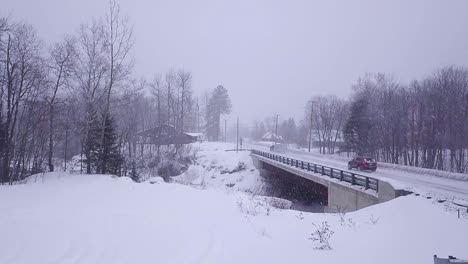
[(217, 168), (64, 218)]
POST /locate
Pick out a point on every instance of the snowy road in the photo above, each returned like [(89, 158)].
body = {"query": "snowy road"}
[(412, 179)]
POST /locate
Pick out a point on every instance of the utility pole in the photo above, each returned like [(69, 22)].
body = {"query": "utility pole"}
[(225, 134), (310, 129), (66, 136), (237, 145), (276, 129), (198, 117)]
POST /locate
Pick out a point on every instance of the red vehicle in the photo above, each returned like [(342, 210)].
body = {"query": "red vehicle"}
[(362, 163)]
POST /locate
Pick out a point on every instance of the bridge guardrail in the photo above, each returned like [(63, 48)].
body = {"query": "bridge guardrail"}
[(335, 173)]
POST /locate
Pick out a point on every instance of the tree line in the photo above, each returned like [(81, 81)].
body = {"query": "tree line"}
[(80, 96), (423, 123)]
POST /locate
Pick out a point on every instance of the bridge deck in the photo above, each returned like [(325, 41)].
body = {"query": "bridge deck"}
[(439, 184), (319, 173)]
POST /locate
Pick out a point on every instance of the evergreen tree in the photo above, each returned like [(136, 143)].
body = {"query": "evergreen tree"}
[(91, 140), (110, 159), (292, 130), (219, 104), (288, 130), (357, 128)]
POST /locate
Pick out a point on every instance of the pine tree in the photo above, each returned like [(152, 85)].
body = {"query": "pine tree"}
[(219, 104), (91, 140), (357, 128), (110, 159)]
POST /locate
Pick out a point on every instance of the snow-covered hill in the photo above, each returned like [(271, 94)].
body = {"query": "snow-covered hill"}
[(72, 218)]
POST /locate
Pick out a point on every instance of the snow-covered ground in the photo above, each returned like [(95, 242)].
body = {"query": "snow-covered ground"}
[(442, 185), (70, 218), (74, 218)]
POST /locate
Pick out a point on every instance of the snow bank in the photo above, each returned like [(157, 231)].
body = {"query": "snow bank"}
[(423, 171)]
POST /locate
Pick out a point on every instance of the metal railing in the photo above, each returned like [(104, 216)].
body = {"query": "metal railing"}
[(335, 173)]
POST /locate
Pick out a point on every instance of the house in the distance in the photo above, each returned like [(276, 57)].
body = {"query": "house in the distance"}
[(164, 135), (200, 137), (272, 137)]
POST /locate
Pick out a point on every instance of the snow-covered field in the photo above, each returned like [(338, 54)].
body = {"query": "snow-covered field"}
[(73, 218)]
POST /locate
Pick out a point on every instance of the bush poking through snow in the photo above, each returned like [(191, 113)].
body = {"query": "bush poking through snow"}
[(251, 207), (374, 220), (341, 212), (260, 205), (345, 221), (322, 235), (351, 223), (300, 216), (134, 174), (240, 167)]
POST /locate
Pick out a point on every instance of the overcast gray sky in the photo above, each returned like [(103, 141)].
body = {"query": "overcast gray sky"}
[(273, 55)]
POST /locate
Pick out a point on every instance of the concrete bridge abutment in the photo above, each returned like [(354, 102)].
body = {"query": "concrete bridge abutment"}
[(341, 196)]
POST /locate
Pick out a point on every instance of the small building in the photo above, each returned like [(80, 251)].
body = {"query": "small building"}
[(164, 135), (200, 137), (272, 137)]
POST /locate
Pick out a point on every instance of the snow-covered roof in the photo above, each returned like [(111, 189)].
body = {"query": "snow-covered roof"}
[(271, 136), (195, 134)]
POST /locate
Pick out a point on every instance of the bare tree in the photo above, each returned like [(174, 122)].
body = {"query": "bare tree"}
[(421, 125), (169, 83), (90, 75), (118, 43), (156, 90), (328, 119), (21, 81), (184, 82), (60, 66)]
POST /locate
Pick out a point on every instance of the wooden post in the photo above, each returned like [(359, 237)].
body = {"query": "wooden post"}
[(367, 183), (341, 175)]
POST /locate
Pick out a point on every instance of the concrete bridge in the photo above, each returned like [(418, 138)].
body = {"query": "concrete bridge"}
[(339, 190)]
